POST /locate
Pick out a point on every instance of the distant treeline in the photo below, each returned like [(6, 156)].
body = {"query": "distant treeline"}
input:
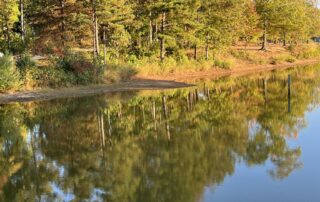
[(142, 28)]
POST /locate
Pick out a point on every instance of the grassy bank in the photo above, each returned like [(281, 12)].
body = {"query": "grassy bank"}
[(236, 57), (75, 69)]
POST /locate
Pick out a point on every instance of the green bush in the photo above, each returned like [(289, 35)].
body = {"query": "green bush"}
[(116, 73), (241, 54), (23, 63), (291, 59), (305, 51), (282, 58), (9, 75), (248, 56), (48, 77), (224, 64), (84, 70)]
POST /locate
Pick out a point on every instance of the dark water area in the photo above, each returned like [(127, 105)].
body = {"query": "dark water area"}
[(234, 139)]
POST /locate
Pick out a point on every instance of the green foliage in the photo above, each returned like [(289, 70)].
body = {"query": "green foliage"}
[(9, 75), (305, 51), (282, 58), (42, 77), (136, 27), (290, 59), (84, 70), (187, 33), (24, 62), (169, 65), (119, 72), (251, 57), (224, 64)]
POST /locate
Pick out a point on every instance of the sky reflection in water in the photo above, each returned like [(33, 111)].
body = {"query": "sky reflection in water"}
[(228, 140)]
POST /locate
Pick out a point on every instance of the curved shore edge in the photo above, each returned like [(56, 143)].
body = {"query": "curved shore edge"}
[(49, 94), (141, 83)]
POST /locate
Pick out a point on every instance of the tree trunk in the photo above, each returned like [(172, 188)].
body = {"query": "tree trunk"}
[(8, 35), (22, 20), (97, 33), (62, 26), (284, 39), (207, 47), (3, 30), (264, 38), (195, 46), (95, 29), (162, 49), (156, 31), (246, 43), (150, 30), (104, 46)]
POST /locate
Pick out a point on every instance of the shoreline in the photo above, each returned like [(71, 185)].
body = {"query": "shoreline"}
[(217, 73), (171, 81)]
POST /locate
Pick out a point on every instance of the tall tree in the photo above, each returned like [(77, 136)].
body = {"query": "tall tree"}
[(9, 11), (115, 16)]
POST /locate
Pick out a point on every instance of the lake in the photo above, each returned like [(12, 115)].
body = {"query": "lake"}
[(236, 139)]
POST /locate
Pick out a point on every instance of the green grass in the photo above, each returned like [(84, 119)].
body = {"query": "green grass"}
[(224, 64), (282, 58), (118, 73), (305, 51), (152, 66), (248, 56)]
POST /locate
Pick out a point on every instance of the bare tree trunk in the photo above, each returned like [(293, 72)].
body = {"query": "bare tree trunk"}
[(22, 20), (284, 39), (97, 33), (150, 30), (8, 35), (264, 38), (156, 31), (95, 29), (207, 47), (195, 45), (62, 26), (3, 30), (162, 49), (104, 46)]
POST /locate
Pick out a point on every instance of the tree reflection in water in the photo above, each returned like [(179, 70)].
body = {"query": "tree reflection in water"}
[(153, 146)]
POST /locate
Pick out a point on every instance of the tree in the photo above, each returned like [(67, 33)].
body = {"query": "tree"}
[(265, 9), (9, 12), (115, 19)]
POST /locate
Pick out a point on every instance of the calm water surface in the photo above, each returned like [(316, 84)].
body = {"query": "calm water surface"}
[(234, 139)]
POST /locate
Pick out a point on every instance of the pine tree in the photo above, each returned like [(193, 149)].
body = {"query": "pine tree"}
[(9, 12)]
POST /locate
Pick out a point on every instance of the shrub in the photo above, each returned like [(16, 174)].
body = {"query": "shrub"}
[(222, 64), (84, 70), (23, 63), (282, 58), (116, 73), (291, 59), (168, 65), (75, 63), (48, 77), (248, 56), (241, 54), (9, 75), (305, 51)]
